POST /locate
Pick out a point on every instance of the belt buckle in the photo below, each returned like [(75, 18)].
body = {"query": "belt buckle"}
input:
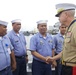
[(23, 56), (64, 63)]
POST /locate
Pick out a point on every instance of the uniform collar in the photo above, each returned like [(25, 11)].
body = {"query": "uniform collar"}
[(0, 38), (60, 34), (15, 33), (71, 23), (47, 35), (4, 37)]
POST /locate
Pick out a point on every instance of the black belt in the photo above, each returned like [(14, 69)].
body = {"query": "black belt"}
[(69, 63), (20, 56), (5, 69)]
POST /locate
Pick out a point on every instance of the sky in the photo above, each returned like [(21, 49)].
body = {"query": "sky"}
[(30, 11)]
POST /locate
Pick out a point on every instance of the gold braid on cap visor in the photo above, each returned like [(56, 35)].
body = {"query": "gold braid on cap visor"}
[(60, 10)]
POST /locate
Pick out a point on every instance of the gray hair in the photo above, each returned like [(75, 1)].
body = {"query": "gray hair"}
[(71, 13)]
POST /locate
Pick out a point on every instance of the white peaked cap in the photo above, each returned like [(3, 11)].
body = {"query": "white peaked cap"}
[(16, 20), (3, 23), (64, 6), (42, 21)]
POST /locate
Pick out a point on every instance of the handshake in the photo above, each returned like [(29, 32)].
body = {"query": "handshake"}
[(49, 59), (52, 59)]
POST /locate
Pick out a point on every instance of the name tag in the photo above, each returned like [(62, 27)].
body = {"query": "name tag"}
[(8, 48), (9, 51)]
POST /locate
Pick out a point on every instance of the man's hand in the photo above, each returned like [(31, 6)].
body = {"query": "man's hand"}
[(26, 58), (49, 59), (13, 65), (13, 61), (54, 64)]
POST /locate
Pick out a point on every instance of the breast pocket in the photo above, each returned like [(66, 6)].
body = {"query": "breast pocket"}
[(50, 43), (3, 49), (67, 40), (40, 45), (16, 43)]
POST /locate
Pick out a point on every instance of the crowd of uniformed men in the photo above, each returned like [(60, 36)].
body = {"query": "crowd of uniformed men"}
[(48, 51)]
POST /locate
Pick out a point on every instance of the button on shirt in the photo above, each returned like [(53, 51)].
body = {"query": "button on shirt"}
[(19, 43), (5, 46), (42, 45), (58, 40)]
